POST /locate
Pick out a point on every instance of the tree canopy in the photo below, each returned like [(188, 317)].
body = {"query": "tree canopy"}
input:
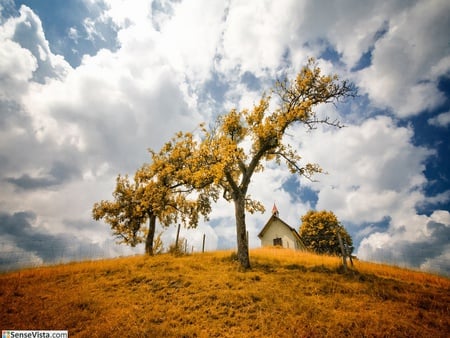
[(234, 150), (319, 231), (161, 190)]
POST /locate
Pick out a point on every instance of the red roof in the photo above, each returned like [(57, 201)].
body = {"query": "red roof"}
[(274, 209)]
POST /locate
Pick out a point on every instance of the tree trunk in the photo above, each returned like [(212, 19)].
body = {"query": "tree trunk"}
[(150, 235), (241, 231)]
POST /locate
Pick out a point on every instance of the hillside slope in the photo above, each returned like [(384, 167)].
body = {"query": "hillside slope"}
[(286, 294)]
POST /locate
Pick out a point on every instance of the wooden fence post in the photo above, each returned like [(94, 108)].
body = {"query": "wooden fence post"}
[(348, 252), (344, 261), (178, 235), (203, 245)]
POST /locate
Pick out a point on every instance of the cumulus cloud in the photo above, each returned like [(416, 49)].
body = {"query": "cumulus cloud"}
[(26, 31), (429, 250), (377, 176), (25, 244), (13, 56), (403, 74), (376, 171), (254, 38), (441, 120), (194, 57), (66, 130)]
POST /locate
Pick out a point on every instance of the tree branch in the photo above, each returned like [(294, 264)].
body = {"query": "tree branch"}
[(234, 187), (301, 170)]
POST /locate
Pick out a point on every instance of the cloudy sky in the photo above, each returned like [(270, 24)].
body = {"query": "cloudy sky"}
[(86, 86)]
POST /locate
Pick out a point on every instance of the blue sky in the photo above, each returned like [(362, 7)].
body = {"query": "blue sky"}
[(86, 86)]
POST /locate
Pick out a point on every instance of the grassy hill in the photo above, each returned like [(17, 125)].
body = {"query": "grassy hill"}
[(286, 294)]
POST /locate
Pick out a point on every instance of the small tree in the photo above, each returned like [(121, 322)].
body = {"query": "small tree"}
[(158, 245), (178, 248), (160, 190), (319, 231)]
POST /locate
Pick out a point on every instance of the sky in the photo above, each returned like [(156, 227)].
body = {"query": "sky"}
[(87, 86)]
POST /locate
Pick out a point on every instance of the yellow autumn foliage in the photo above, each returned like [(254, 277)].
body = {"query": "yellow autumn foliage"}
[(319, 232)]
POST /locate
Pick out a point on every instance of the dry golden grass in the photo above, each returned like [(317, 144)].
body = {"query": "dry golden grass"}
[(286, 294)]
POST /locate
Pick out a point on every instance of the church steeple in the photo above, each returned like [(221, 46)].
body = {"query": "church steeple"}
[(275, 211)]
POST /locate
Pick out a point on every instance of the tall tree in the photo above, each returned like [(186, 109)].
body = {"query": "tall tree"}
[(161, 190), (319, 231), (235, 148)]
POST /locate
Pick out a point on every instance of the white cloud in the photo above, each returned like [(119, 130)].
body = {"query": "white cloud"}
[(426, 248), (441, 120), (375, 172), (255, 38), (12, 56), (27, 31), (123, 14), (191, 37), (106, 112), (403, 74), (109, 106), (14, 257), (73, 34), (439, 264)]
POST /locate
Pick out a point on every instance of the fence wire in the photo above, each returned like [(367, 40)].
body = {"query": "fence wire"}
[(31, 253)]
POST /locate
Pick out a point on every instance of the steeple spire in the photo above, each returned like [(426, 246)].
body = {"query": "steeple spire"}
[(275, 210)]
